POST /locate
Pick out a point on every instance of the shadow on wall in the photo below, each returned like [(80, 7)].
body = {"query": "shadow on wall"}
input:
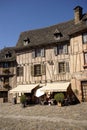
[(72, 97)]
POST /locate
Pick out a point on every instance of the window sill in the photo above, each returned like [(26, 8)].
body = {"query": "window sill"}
[(37, 75)]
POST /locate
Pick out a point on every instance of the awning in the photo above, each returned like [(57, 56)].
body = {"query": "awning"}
[(56, 87), (24, 88), (39, 92)]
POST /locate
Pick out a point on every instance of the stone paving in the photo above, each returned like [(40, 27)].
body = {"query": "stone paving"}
[(43, 117)]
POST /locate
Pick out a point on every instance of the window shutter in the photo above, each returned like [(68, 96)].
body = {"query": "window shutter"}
[(43, 69), (65, 49), (60, 49), (32, 70), (33, 54), (67, 67), (42, 52), (55, 50), (85, 58), (58, 67)]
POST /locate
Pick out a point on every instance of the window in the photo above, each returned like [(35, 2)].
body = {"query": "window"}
[(85, 58), (57, 34), (61, 49), (63, 67), (85, 37), (38, 52), (38, 70), (19, 71), (6, 65), (8, 55), (26, 41)]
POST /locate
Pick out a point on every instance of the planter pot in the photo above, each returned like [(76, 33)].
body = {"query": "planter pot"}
[(59, 104), (23, 105)]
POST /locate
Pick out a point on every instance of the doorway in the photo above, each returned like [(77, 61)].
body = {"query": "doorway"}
[(84, 91)]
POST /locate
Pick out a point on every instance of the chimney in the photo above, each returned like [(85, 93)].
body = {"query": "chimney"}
[(78, 14)]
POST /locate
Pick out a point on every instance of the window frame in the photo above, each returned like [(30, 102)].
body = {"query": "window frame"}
[(64, 67), (37, 70), (61, 49), (42, 70), (20, 71), (38, 52), (6, 65)]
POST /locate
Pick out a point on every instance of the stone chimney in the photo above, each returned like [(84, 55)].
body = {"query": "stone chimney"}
[(78, 14)]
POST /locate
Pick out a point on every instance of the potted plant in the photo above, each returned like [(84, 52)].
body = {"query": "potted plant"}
[(59, 97), (23, 100)]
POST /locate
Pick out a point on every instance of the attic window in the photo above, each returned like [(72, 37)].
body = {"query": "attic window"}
[(8, 55), (57, 34), (26, 41)]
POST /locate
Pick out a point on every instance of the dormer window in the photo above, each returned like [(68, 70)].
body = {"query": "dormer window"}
[(57, 34), (26, 41), (8, 55)]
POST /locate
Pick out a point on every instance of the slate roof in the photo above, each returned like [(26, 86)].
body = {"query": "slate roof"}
[(45, 36), (5, 51), (80, 27)]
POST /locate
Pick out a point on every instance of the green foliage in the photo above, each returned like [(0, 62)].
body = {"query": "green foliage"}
[(23, 99), (59, 97)]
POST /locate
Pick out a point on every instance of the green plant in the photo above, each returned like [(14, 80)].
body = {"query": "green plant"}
[(59, 97), (23, 99)]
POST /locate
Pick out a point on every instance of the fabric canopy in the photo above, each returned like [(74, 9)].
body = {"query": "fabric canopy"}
[(56, 87), (39, 92), (24, 88)]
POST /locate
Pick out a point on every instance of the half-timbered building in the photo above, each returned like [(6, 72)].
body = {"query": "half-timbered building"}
[(53, 59), (7, 72)]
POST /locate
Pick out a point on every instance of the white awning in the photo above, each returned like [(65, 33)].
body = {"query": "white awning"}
[(24, 88), (56, 87), (39, 92)]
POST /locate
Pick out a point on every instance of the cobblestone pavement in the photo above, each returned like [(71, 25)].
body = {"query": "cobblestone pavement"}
[(42, 117)]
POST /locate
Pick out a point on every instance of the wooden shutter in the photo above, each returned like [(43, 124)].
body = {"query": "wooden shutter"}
[(65, 49), (55, 50), (32, 70), (42, 52), (43, 69), (33, 54), (67, 67), (60, 49), (85, 58)]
